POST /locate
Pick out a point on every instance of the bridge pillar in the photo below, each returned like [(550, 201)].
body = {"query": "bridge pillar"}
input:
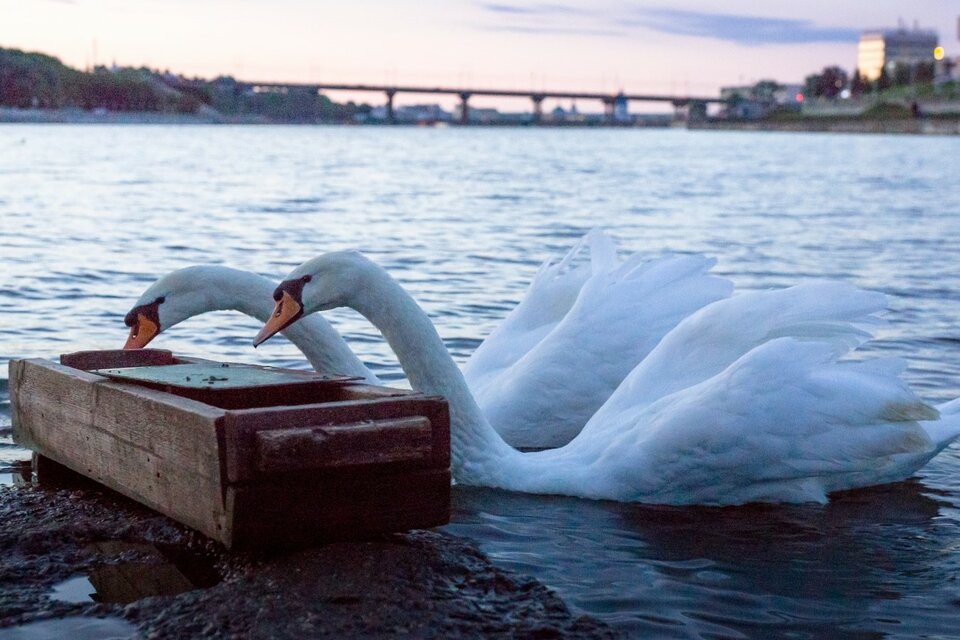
[(608, 110), (391, 119), (464, 108), (697, 111), (537, 108)]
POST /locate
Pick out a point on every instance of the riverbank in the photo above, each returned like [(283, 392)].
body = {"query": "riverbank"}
[(100, 116), (59, 543), (919, 126)]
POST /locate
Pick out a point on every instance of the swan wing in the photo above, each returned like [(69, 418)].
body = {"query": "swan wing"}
[(711, 339), (621, 312), (786, 422), (547, 300)]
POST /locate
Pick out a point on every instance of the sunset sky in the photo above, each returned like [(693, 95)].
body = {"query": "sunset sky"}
[(688, 47)]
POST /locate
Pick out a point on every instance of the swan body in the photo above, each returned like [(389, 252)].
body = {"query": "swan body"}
[(763, 410), (558, 355)]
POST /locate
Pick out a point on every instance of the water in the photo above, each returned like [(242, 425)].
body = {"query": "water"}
[(159, 570), (73, 627), (89, 216)]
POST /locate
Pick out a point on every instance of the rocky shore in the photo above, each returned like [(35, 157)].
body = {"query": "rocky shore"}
[(163, 580)]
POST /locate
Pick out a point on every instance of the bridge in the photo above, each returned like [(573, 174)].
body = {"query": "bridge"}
[(609, 100)]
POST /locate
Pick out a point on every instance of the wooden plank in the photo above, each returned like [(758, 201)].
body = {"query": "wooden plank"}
[(360, 391), (239, 428), (347, 506), (89, 360), (345, 445), (158, 449)]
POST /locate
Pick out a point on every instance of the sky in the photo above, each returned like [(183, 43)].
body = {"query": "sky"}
[(688, 47)]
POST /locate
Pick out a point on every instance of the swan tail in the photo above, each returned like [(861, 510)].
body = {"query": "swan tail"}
[(947, 428), (603, 251), (548, 298)]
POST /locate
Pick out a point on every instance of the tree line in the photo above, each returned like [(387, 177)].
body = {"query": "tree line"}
[(41, 81), (37, 80), (833, 80)]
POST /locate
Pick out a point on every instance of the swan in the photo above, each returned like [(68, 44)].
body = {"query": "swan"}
[(762, 410), (190, 291), (557, 356)]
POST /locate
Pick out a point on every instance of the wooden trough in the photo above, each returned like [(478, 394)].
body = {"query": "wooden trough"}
[(251, 456)]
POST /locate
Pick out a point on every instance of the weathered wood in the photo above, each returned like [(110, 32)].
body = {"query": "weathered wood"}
[(89, 360), (360, 391), (346, 506), (233, 386), (363, 461), (156, 448), (240, 427), (344, 445)]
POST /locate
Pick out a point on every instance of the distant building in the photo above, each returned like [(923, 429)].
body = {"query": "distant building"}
[(887, 48), (479, 115), (413, 114)]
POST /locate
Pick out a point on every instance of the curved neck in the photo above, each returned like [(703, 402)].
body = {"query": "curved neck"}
[(252, 295), (475, 447)]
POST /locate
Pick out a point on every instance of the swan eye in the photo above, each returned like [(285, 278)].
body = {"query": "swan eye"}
[(307, 278), (160, 300)]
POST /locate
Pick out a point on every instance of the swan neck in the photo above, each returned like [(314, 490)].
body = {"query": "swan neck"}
[(252, 294), (475, 446)]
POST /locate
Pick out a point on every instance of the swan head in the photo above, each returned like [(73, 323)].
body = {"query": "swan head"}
[(326, 282), (179, 295)]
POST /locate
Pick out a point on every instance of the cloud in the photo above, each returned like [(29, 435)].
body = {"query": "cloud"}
[(547, 30), (546, 18), (536, 9), (747, 30)]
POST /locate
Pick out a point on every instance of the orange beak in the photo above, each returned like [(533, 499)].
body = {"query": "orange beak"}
[(141, 333), (286, 312)]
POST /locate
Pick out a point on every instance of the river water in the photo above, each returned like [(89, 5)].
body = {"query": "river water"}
[(91, 215)]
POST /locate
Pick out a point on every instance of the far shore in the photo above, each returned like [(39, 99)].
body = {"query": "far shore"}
[(917, 126), (914, 126)]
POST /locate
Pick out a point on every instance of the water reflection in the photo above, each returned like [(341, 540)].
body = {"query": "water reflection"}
[(860, 563), (159, 570), (73, 627), (16, 473)]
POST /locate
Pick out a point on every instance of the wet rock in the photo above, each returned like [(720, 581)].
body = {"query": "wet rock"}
[(420, 584)]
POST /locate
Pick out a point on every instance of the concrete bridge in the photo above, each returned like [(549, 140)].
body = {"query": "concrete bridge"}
[(609, 100)]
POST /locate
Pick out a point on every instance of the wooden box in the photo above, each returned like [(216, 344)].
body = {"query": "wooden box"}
[(254, 457)]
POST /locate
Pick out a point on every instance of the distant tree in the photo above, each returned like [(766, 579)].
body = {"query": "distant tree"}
[(924, 72), (765, 90), (811, 86), (833, 80), (902, 74), (883, 82), (858, 84), (827, 84)]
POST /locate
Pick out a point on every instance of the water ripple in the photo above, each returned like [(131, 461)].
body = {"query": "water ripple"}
[(463, 218)]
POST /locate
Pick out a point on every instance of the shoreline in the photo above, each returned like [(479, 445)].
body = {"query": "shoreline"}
[(919, 126), (420, 583)]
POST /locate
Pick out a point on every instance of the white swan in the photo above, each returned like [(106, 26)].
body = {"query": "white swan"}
[(761, 410), (191, 291), (558, 355)]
